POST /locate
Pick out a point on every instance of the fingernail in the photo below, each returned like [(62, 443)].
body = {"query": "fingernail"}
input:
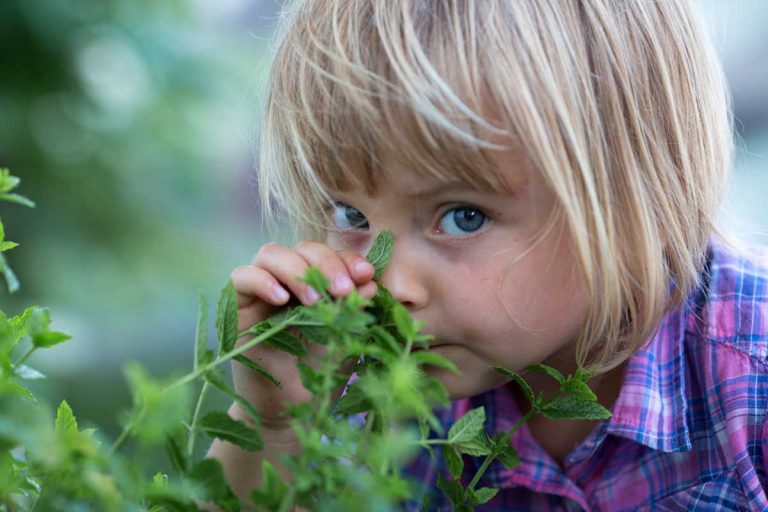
[(362, 267), (342, 282), (280, 293), (312, 295)]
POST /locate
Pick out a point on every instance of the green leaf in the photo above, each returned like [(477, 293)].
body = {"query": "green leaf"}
[(430, 358), (477, 446), (209, 475), (7, 181), (272, 490), (160, 480), (157, 409), (174, 443), (314, 278), (467, 427), (380, 253), (240, 358), (287, 342), (353, 401), (202, 354), (65, 419), (508, 456), (220, 382), (451, 488), (454, 461), (10, 277), (552, 372), (524, 386), (571, 408), (16, 198), (50, 338), (226, 318), (484, 495), (221, 425), (6, 246), (311, 380), (403, 321), (579, 389)]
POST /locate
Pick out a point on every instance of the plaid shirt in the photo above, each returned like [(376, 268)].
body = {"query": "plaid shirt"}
[(689, 428)]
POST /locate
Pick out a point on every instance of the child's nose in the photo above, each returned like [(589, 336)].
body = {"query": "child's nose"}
[(407, 278)]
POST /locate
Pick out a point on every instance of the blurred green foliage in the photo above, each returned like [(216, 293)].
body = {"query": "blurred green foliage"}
[(131, 125)]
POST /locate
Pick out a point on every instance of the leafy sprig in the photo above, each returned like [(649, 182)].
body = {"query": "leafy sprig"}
[(354, 447)]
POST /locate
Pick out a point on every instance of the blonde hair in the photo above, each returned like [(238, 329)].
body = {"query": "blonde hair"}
[(620, 105)]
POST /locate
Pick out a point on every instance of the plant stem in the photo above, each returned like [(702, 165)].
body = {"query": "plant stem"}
[(488, 459), (193, 426), (289, 322), (121, 439), (26, 355)]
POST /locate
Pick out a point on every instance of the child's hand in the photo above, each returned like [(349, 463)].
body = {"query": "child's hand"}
[(262, 289)]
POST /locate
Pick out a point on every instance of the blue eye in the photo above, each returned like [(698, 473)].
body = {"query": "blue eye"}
[(346, 217), (463, 220)]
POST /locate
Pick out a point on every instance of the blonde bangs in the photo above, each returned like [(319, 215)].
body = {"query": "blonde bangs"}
[(358, 91)]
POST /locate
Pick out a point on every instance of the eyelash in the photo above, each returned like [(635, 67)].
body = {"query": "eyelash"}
[(333, 209)]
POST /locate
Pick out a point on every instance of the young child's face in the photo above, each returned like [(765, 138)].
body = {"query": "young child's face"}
[(466, 264)]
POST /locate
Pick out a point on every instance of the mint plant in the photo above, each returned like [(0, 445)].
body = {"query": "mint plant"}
[(354, 447)]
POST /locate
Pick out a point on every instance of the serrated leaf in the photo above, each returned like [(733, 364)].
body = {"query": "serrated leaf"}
[(220, 425), (429, 358), (477, 446), (467, 427), (571, 408), (226, 318), (579, 389), (201, 333), (65, 419), (552, 372), (484, 494), (240, 358), (453, 460), (287, 342), (209, 475), (380, 253)]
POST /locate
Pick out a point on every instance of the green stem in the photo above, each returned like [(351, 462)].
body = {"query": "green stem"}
[(239, 350), (488, 459), (26, 355), (289, 499), (193, 427), (121, 439)]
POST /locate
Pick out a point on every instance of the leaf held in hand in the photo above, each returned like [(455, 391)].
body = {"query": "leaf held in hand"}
[(226, 318), (380, 253)]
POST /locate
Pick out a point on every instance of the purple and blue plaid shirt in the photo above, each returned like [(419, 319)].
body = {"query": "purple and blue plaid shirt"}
[(688, 431)]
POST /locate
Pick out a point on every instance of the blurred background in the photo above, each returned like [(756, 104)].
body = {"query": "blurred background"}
[(132, 123)]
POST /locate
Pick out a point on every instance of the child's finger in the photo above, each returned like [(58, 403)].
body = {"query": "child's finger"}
[(330, 264), (368, 290), (287, 266), (253, 282), (360, 269)]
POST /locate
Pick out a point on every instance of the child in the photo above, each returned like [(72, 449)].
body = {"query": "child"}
[(550, 171)]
